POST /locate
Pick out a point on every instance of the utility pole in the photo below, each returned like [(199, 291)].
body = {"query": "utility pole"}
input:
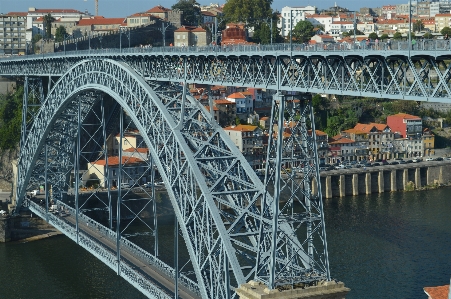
[(97, 7)]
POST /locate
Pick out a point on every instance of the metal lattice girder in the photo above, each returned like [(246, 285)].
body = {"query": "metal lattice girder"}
[(415, 75), (215, 193), (292, 169)]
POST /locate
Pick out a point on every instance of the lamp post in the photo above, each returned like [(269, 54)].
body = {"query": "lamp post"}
[(270, 30), (163, 30), (410, 25)]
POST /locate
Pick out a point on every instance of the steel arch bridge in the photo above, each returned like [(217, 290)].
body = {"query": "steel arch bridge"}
[(234, 227)]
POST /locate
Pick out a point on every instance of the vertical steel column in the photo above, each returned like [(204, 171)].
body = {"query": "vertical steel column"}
[(226, 275), (275, 208), (107, 169), (182, 108), (320, 194), (119, 194), (24, 112), (77, 170), (176, 258), (155, 220), (45, 183)]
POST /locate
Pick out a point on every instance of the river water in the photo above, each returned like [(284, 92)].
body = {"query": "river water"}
[(387, 245)]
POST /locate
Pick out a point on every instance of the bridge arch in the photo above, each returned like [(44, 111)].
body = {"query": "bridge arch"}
[(203, 170)]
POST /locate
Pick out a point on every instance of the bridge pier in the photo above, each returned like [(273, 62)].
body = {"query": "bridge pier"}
[(5, 230), (324, 290), (393, 180), (380, 179)]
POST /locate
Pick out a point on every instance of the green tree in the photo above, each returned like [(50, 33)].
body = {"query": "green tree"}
[(445, 30), (303, 32), (262, 31), (60, 33), (397, 36), (418, 26), (373, 35), (251, 12), (11, 119), (428, 35), (191, 11), (48, 20), (384, 36)]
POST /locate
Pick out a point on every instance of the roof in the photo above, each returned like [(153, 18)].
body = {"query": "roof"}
[(405, 116), (21, 14), (241, 128), (224, 102), (207, 13), (237, 95), (101, 21), (54, 10), (114, 160), (440, 292), (143, 150), (214, 108), (342, 140), (366, 128), (318, 133), (158, 9)]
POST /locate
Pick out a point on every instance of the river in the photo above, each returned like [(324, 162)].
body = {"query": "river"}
[(388, 245)]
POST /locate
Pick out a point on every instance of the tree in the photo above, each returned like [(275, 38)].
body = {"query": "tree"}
[(191, 11), (397, 36), (445, 31), (303, 32), (418, 26), (373, 36), (251, 12), (48, 20), (11, 119), (384, 36), (60, 33), (427, 35)]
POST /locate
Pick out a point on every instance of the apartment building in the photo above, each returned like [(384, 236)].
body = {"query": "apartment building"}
[(247, 138), (13, 34), (290, 16)]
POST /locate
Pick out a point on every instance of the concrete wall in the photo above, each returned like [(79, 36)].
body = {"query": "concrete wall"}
[(377, 180), (21, 227)]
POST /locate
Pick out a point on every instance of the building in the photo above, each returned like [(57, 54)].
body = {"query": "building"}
[(290, 16), (428, 142), (226, 112), (341, 149), (174, 17), (235, 34), (380, 140), (442, 20), (323, 38), (244, 103), (33, 14), (246, 137), (100, 24), (191, 36), (408, 147), (405, 125), (140, 19), (13, 34), (134, 170), (322, 145), (132, 139), (361, 143)]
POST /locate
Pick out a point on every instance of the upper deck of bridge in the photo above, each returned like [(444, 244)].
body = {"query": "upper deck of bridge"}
[(431, 48)]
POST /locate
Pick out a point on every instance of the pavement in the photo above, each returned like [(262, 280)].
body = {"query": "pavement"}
[(4, 196)]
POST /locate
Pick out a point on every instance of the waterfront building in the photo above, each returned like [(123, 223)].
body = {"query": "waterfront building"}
[(342, 148), (428, 142), (406, 125), (380, 140), (247, 138), (244, 103)]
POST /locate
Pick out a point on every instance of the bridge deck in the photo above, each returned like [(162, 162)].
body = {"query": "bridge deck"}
[(152, 273)]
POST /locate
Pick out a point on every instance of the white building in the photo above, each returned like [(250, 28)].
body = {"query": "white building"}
[(244, 102), (247, 138), (290, 16)]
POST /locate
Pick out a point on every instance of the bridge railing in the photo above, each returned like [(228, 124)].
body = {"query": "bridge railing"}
[(133, 249), (420, 45)]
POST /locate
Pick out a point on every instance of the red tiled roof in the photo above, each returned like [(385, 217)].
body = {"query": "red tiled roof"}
[(20, 14), (318, 133), (342, 140), (440, 292), (199, 29), (114, 160), (207, 13), (405, 115), (214, 108), (53, 10), (101, 21), (158, 9), (224, 102), (237, 95), (142, 150), (241, 128)]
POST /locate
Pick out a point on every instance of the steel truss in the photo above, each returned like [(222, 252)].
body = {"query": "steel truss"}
[(215, 193), (421, 76)]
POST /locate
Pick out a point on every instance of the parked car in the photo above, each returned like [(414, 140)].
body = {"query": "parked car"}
[(394, 163), (358, 166), (409, 161), (439, 159), (125, 185), (449, 158), (429, 159), (416, 160), (402, 162), (348, 166), (385, 162), (376, 164)]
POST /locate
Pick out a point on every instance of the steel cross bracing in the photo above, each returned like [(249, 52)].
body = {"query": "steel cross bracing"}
[(410, 75), (214, 192)]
